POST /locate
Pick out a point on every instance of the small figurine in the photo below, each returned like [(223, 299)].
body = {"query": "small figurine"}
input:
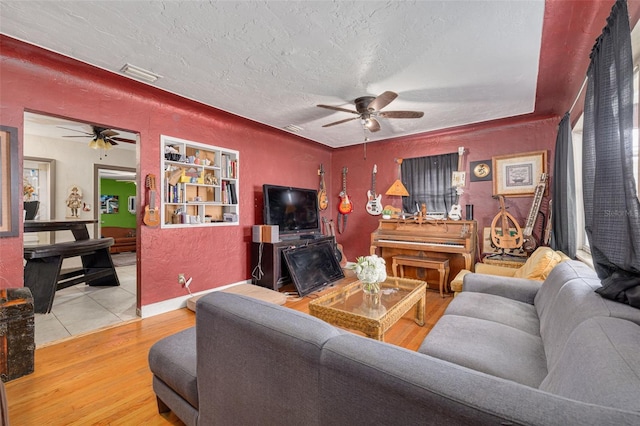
[(210, 179), (74, 201)]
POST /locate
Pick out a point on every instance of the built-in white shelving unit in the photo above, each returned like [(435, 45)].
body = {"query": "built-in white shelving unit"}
[(200, 184)]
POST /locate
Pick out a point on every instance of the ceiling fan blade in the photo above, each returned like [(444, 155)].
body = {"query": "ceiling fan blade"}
[(373, 125), (110, 141), (341, 121), (123, 140), (337, 109), (74, 130), (108, 133), (401, 114), (382, 101)]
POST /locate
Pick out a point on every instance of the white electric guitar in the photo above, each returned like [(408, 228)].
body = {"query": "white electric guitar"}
[(374, 206), (455, 213)]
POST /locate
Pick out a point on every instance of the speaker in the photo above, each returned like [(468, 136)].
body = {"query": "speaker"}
[(270, 234), (469, 212), (265, 234), (256, 233)]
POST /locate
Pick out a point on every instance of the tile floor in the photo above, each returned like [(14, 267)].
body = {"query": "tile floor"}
[(82, 308)]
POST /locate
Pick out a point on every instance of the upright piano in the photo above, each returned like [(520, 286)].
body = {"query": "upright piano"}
[(455, 240)]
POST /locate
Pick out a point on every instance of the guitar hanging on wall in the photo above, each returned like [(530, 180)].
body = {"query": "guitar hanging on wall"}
[(530, 243), (505, 238), (323, 199), (344, 207), (374, 206), (458, 180), (151, 214)]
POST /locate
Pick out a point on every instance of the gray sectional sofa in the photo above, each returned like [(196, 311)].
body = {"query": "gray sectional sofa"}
[(507, 351)]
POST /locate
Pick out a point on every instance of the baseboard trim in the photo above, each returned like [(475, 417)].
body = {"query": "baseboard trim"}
[(178, 302)]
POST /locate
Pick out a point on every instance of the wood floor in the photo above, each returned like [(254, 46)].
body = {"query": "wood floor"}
[(103, 378)]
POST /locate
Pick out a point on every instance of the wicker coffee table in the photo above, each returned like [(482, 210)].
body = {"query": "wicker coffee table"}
[(351, 308)]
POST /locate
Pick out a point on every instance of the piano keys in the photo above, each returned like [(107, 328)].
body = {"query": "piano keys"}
[(446, 239)]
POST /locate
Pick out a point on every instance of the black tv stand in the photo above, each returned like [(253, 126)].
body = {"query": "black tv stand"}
[(268, 266)]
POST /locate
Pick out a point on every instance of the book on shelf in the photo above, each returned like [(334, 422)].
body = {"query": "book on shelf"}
[(224, 192), (232, 194), (229, 167)]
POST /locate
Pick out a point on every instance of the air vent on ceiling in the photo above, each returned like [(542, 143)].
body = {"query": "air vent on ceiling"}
[(139, 73), (293, 128)]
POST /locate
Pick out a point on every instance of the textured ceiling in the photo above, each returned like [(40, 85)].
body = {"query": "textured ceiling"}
[(460, 62)]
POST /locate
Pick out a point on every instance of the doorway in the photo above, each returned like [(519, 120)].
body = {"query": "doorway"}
[(71, 145)]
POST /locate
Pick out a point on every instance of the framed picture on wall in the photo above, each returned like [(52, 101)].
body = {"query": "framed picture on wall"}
[(9, 183), (517, 175), (480, 170)]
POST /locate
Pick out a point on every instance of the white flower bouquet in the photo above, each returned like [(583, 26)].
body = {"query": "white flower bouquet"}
[(371, 271)]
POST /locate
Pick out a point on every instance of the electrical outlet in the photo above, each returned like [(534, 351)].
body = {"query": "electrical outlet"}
[(181, 280)]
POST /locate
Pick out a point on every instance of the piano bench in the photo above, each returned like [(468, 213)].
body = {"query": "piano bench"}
[(441, 265)]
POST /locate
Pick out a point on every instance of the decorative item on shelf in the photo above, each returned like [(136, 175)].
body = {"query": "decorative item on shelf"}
[(28, 191), (371, 271), (210, 179), (30, 204)]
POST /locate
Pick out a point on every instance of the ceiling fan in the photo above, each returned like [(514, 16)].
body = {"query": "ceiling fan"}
[(368, 108), (102, 137)]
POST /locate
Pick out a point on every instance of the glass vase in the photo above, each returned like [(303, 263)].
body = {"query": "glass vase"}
[(371, 288)]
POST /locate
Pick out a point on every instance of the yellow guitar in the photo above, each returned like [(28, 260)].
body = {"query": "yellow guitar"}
[(323, 199)]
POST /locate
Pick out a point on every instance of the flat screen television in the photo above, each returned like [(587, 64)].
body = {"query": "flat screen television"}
[(293, 210), (313, 266)]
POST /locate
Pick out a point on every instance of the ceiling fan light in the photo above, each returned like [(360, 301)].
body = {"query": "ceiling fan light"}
[(108, 145), (93, 144)]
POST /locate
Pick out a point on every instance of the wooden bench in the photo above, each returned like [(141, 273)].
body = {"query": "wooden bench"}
[(441, 265), (43, 272)]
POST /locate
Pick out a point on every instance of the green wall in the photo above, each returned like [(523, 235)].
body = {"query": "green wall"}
[(121, 219)]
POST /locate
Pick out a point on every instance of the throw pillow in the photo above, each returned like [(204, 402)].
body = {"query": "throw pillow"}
[(538, 266)]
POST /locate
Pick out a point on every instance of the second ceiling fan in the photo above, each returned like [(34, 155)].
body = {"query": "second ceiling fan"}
[(368, 108)]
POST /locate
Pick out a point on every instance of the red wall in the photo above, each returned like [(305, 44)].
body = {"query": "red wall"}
[(36, 80), (481, 142)]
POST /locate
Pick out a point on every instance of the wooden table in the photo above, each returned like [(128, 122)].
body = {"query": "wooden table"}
[(43, 271), (350, 307), (77, 226)]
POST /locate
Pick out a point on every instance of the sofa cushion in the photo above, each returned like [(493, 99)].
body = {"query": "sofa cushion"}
[(173, 360), (539, 264), (520, 315), (259, 352), (489, 347), (558, 277), (600, 364), (574, 302)]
